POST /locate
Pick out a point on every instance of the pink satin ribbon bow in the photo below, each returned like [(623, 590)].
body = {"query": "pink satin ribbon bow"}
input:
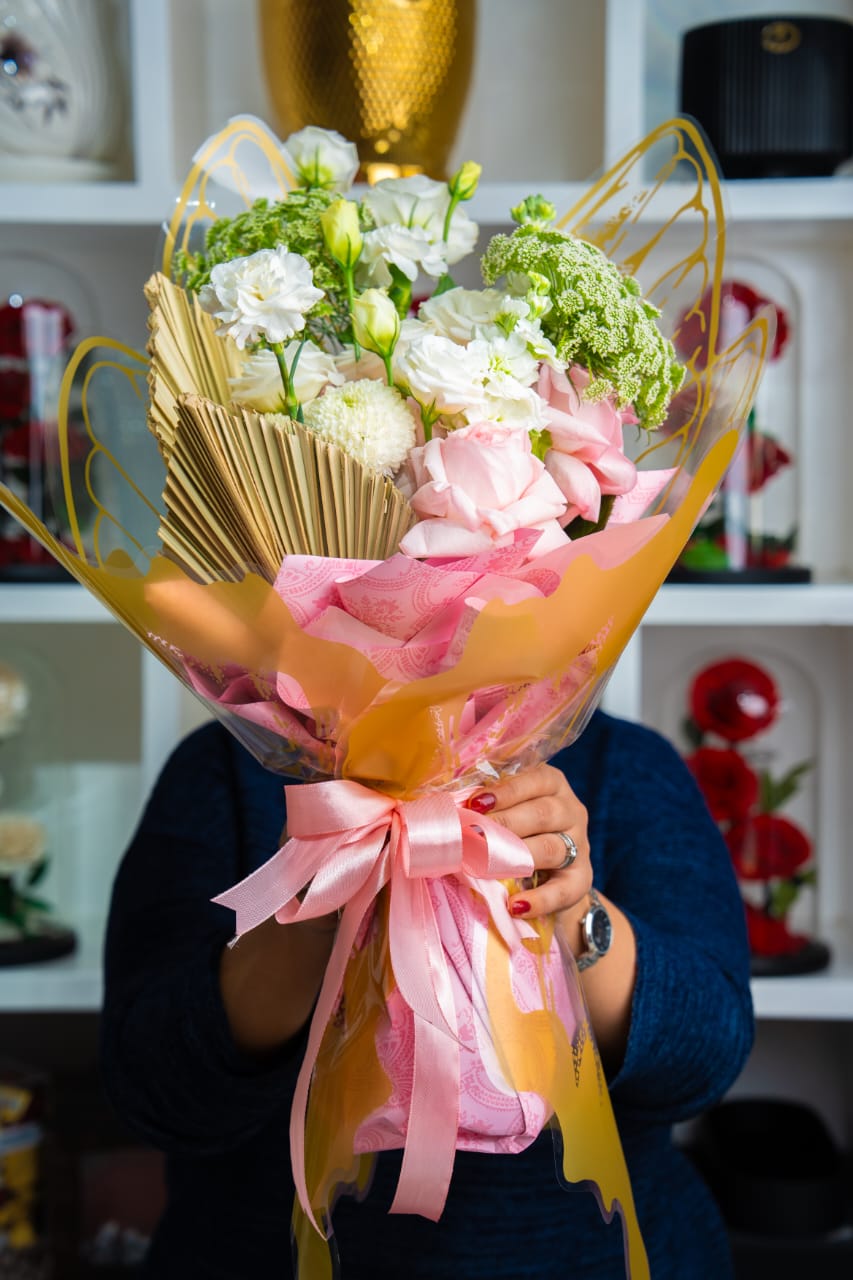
[(346, 842)]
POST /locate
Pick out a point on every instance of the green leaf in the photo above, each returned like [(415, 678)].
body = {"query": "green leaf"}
[(701, 554), (37, 873), (693, 735), (773, 793), (580, 528), (445, 282), (783, 895)]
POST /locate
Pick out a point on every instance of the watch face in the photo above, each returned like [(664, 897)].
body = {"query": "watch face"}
[(600, 930)]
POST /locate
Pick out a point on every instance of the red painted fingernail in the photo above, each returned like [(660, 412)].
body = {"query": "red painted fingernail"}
[(519, 908), (483, 803)]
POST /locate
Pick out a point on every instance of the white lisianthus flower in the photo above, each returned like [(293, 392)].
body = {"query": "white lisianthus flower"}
[(370, 365), (366, 419), (419, 201), (375, 322), (265, 295), (485, 379), (466, 314), (509, 372), (410, 249), (260, 385), (321, 158)]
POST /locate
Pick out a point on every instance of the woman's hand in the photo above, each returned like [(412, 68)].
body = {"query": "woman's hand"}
[(538, 805)]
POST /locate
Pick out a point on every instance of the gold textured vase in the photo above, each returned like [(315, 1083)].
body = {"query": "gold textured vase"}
[(391, 75)]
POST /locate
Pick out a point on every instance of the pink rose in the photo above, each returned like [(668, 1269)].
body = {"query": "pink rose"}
[(587, 455), (474, 488)]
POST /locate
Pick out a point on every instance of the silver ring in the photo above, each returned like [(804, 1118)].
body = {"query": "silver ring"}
[(571, 850)]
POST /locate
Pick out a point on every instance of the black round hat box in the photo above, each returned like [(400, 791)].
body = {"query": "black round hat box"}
[(773, 94)]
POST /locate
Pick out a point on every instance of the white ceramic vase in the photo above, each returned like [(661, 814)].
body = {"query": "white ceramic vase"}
[(61, 100)]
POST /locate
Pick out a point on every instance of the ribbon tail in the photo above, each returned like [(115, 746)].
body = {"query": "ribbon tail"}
[(348, 928), (430, 1149), (257, 897)]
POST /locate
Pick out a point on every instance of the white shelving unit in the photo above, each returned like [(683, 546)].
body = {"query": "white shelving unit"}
[(603, 73)]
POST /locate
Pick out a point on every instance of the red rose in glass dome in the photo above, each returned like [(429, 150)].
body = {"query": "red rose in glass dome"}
[(735, 699), (35, 322), (691, 338), (14, 394), (767, 846), (767, 457), (729, 785), (770, 936)]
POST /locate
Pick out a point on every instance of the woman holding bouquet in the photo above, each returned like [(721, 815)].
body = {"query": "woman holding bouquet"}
[(202, 1043)]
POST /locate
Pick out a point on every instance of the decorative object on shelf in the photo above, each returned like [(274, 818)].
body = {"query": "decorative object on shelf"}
[(392, 76), (749, 532), (27, 932), (35, 339), (22, 1106), (61, 107), (773, 93), (732, 703), (777, 1173)]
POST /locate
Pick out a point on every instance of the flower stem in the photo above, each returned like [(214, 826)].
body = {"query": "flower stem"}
[(348, 279), (289, 398)]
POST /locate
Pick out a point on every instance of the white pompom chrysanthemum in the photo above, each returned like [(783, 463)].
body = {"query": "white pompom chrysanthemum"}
[(366, 419)]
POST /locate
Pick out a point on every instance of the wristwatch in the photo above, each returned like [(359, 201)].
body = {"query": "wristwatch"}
[(597, 929)]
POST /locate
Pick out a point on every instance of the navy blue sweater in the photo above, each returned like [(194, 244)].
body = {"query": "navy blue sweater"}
[(174, 1073)]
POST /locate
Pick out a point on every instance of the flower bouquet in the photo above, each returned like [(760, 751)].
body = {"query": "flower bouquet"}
[(398, 551)]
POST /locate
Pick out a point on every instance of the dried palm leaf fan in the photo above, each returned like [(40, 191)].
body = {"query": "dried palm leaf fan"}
[(245, 489)]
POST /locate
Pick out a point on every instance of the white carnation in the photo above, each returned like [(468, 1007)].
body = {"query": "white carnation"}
[(322, 158), (366, 419), (265, 295), (260, 384)]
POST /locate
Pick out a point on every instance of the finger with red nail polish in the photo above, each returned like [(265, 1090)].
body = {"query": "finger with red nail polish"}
[(482, 803)]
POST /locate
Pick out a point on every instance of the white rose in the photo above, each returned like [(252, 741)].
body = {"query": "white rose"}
[(462, 314), (14, 701), (321, 158), (22, 842), (260, 384), (264, 295), (443, 375)]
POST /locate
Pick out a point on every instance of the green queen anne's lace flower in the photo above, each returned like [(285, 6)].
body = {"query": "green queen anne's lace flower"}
[(597, 317)]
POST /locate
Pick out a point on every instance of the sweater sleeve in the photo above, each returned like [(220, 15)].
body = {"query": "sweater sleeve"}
[(666, 865), (170, 1065)]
